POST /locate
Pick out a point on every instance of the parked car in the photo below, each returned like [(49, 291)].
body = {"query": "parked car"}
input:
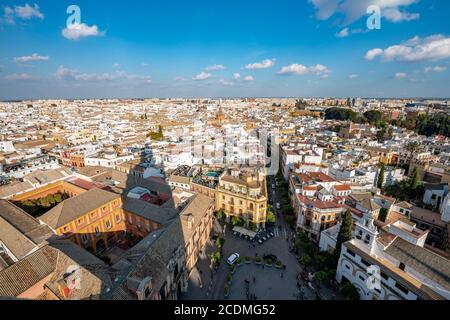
[(233, 258)]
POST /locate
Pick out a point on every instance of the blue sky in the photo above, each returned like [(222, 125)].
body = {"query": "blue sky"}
[(215, 48)]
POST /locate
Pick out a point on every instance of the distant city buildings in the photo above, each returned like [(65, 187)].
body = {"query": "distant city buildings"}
[(124, 192)]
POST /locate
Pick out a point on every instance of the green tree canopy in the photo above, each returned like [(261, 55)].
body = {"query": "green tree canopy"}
[(340, 114), (345, 234), (374, 117), (380, 180)]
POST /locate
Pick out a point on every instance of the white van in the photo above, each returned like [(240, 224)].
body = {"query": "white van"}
[(233, 258)]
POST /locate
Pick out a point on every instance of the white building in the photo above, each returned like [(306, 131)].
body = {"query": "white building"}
[(106, 159), (393, 264), (445, 211), (7, 146)]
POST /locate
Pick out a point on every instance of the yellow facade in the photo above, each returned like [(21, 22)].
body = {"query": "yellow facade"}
[(103, 226), (238, 199)]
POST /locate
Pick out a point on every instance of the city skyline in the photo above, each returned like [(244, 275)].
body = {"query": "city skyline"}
[(254, 49)]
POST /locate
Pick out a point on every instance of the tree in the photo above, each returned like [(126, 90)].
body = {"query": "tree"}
[(349, 291), (221, 215), (321, 277), (220, 242), (374, 117), (236, 221), (383, 214), (415, 180), (345, 234), (380, 181), (340, 114), (215, 258), (306, 261), (381, 134), (271, 218)]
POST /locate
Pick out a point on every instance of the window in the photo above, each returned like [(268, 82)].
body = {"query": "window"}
[(108, 224), (384, 276), (97, 231), (401, 288), (84, 238), (118, 218), (148, 227), (347, 266), (130, 219), (364, 262), (80, 221), (402, 266), (350, 252)]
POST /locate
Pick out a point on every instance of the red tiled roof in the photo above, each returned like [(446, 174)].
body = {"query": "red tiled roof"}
[(342, 187), (84, 184)]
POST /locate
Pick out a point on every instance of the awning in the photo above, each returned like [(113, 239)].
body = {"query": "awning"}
[(244, 232)]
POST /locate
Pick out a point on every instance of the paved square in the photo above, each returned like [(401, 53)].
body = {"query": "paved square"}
[(268, 286)]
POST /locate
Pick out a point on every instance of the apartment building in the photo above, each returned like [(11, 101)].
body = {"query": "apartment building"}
[(408, 271), (242, 193)]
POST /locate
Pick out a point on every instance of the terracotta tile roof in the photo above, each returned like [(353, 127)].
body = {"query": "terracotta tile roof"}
[(342, 187), (75, 207), (25, 273)]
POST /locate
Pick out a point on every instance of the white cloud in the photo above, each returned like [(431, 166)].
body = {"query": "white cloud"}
[(268, 63), (435, 69), (19, 77), (435, 47), (179, 79), (395, 15), (77, 31), (353, 10), (116, 65), (34, 57), (202, 76), (353, 76), (343, 33), (372, 54), (215, 67), (236, 76), (27, 12), (63, 73), (226, 83), (400, 75), (299, 69), (8, 15), (249, 78)]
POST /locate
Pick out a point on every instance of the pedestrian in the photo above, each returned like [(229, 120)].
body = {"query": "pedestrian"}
[(254, 279)]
